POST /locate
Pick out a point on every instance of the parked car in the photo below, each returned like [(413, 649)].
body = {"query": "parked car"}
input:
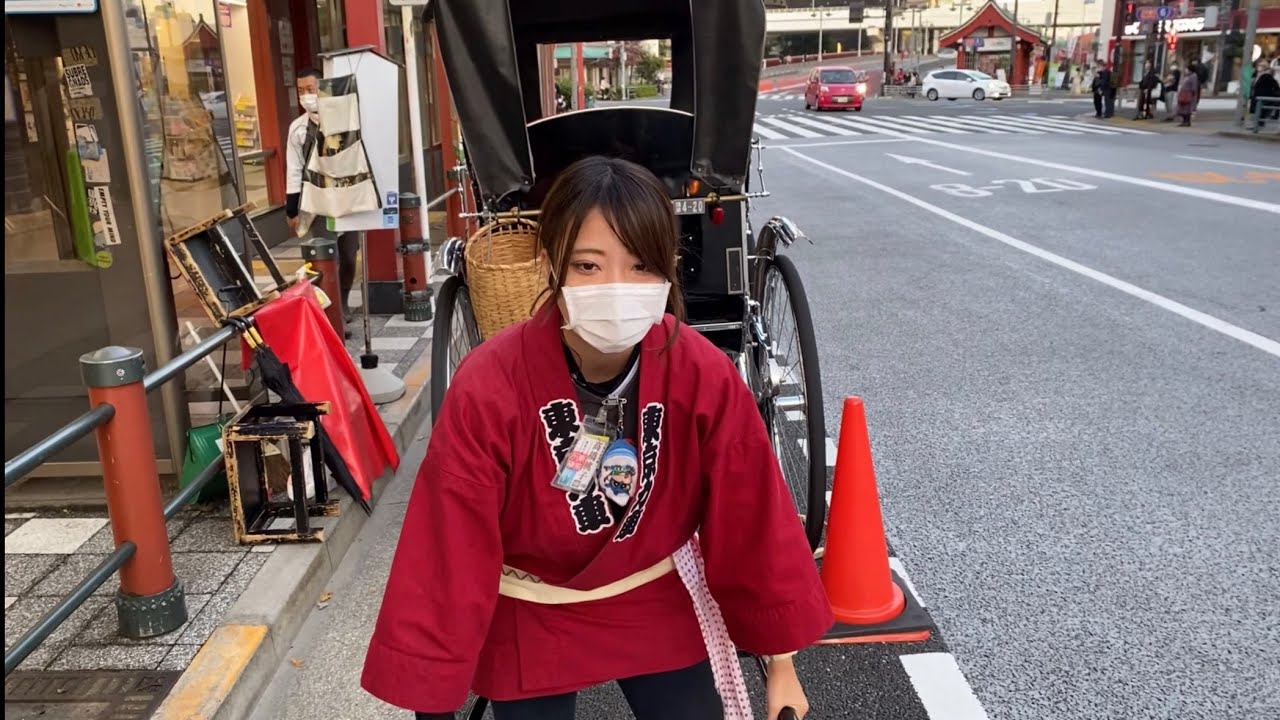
[(952, 84), (835, 87)]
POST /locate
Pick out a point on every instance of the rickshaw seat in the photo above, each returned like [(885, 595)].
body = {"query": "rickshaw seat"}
[(657, 138)]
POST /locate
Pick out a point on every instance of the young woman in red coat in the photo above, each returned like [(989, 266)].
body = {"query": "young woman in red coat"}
[(599, 501)]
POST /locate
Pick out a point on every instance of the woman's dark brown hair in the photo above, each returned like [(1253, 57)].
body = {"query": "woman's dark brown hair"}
[(632, 200)]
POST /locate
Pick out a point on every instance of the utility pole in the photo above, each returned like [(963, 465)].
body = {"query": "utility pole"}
[(622, 52), (888, 47), (579, 77), (1013, 49), (1246, 61), (1053, 37)]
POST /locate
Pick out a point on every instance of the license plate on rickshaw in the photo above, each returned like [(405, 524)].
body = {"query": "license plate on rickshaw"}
[(842, 99), (690, 206)]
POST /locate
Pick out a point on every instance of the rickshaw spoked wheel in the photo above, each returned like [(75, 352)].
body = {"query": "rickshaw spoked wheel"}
[(792, 407), (454, 335)]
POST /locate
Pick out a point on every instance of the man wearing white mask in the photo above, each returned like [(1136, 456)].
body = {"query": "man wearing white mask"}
[(302, 134)]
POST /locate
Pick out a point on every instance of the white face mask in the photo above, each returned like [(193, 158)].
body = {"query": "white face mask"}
[(310, 102), (614, 317)]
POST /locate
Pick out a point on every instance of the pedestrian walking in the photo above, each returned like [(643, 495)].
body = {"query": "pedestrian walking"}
[(600, 499), (300, 140), (1188, 96), (1148, 92), (1172, 82)]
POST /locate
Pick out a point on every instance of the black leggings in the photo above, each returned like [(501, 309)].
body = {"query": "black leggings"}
[(688, 694)]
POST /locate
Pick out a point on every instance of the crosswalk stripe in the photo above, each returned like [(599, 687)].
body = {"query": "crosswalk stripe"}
[(822, 125), (1064, 127), (1064, 120), (880, 126), (1019, 125), (929, 124), (767, 133), (981, 124), (960, 124), (779, 122), (1033, 123)]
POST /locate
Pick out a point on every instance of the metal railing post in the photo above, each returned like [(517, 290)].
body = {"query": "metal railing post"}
[(150, 600)]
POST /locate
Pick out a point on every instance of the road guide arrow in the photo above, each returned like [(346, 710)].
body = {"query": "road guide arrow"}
[(926, 163)]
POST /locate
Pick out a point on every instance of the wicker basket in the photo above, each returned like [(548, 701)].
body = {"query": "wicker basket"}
[(503, 274)]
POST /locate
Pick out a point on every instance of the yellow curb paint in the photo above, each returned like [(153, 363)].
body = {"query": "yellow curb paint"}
[(213, 673)]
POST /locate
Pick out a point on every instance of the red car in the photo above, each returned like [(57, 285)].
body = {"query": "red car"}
[(835, 86)]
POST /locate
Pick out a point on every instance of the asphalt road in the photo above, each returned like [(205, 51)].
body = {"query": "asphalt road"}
[(1066, 337), (1072, 391)]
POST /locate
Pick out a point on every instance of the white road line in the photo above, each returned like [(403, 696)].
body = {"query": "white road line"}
[(766, 133), (1264, 344), (802, 132), (875, 141), (896, 565), (1228, 162), (1066, 120), (1030, 124), (880, 126), (929, 123), (832, 129), (830, 448), (1153, 184), (941, 687), (981, 125), (1041, 121)]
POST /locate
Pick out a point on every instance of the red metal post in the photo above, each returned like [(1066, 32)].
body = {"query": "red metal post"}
[(417, 293), (580, 68), (150, 600), (322, 253)]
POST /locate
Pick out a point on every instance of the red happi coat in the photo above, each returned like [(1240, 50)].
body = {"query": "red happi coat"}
[(483, 498)]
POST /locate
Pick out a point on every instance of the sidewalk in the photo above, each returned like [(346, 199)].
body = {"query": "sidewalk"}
[(1216, 117), (245, 604)]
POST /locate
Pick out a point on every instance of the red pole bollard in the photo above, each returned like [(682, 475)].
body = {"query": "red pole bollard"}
[(150, 600), (322, 253), (417, 291)]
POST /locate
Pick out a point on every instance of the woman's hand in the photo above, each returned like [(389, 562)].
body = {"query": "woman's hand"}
[(783, 689)]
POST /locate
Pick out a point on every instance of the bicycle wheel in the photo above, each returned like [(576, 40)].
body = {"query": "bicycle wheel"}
[(792, 406), (454, 334)]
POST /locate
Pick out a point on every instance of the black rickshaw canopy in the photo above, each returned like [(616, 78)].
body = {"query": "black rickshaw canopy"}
[(489, 49)]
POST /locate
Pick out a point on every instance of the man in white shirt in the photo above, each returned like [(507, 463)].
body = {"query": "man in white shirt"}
[(302, 133)]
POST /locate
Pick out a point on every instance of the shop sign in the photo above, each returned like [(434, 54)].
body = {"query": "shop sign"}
[(1181, 25), (996, 44)]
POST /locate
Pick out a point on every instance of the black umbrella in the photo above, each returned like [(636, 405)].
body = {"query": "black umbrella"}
[(275, 373)]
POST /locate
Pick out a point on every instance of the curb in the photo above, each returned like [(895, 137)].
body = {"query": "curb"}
[(234, 667)]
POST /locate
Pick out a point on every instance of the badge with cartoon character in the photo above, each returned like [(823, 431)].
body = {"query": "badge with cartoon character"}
[(618, 471)]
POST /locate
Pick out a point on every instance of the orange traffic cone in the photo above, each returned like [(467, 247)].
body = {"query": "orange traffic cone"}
[(867, 597)]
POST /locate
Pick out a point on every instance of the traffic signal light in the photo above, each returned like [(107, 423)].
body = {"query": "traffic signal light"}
[(856, 10), (1131, 12)]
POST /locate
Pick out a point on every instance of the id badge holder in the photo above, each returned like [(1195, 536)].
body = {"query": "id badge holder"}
[(582, 463)]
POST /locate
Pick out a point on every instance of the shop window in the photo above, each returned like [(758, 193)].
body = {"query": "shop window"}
[(332, 21), (188, 116), (39, 162)]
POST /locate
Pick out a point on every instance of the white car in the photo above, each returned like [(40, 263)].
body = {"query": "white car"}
[(952, 84)]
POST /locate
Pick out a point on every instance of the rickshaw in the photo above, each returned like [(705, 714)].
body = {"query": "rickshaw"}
[(739, 290)]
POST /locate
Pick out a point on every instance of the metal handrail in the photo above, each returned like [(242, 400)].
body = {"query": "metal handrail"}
[(1263, 105), (64, 437), (20, 465)]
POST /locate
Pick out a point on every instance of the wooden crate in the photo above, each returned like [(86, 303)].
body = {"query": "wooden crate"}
[(259, 514)]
